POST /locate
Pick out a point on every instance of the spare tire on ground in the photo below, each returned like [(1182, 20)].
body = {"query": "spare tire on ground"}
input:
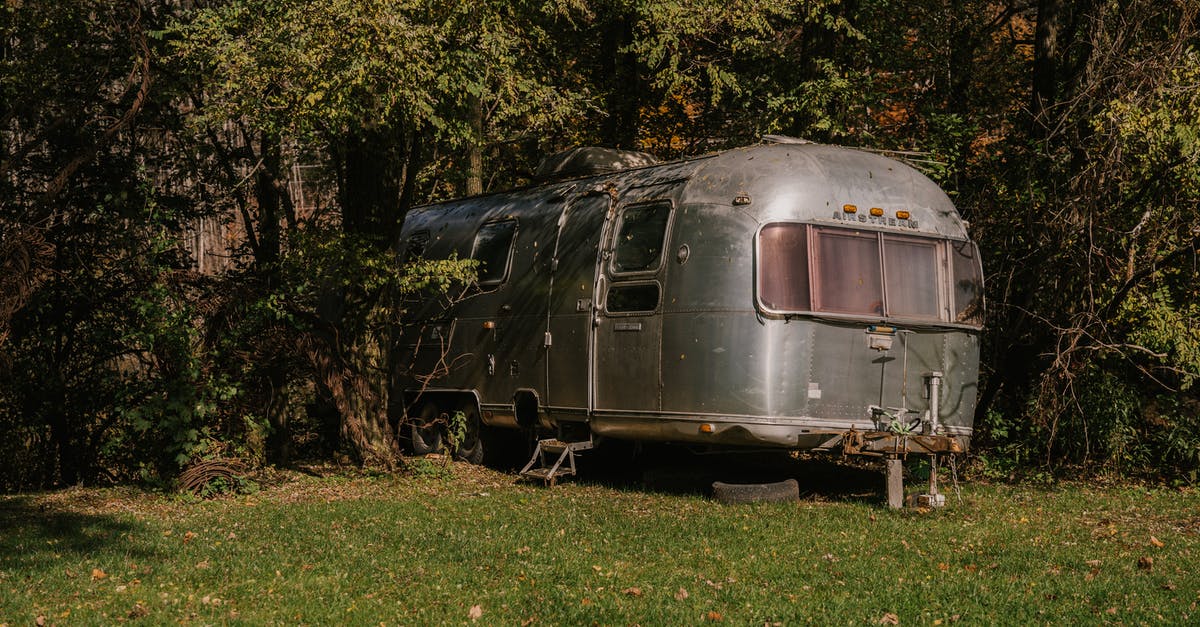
[(787, 490)]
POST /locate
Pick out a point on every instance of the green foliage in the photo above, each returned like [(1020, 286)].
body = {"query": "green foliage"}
[(123, 123), (456, 432), (426, 469), (314, 71)]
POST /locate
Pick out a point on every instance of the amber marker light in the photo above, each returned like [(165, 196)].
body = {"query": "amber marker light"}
[(706, 428), (489, 325), (903, 215), (849, 208), (876, 211)]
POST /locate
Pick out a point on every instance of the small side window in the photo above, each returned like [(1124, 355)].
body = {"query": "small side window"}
[(415, 248), (631, 298), (641, 238), (968, 283), (493, 249)]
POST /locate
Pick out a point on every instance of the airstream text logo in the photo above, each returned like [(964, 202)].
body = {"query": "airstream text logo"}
[(880, 220)]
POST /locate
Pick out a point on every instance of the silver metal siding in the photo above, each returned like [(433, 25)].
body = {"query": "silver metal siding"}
[(708, 354)]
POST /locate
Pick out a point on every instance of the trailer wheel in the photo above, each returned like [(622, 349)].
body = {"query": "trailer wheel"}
[(471, 449), (788, 490), (426, 430)]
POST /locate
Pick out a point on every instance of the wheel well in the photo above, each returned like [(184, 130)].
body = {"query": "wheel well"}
[(525, 407), (445, 400)]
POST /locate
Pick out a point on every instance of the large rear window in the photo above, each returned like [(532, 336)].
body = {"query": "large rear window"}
[(808, 268)]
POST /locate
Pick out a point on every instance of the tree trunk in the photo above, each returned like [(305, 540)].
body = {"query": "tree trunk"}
[(619, 72), (376, 186), (475, 150), (270, 204), (1047, 56)]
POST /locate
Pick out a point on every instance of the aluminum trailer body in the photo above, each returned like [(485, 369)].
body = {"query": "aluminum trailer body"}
[(785, 295)]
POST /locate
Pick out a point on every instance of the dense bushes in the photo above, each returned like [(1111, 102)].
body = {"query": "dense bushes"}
[(123, 125)]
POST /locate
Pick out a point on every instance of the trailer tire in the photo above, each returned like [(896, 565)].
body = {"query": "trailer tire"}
[(425, 430), (471, 449), (781, 491)]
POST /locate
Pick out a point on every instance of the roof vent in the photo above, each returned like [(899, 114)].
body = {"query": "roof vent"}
[(783, 139), (589, 161)]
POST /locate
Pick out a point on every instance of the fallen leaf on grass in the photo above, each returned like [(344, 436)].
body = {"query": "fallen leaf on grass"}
[(681, 595), (523, 550), (475, 612), (40, 621), (528, 621), (633, 592), (1111, 610), (1168, 586), (1156, 542), (714, 616), (138, 611), (889, 619), (1145, 563), (98, 574), (187, 537)]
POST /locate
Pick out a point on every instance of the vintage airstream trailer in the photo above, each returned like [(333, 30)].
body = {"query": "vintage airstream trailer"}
[(786, 295)]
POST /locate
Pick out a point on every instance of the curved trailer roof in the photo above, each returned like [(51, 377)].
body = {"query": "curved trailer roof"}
[(770, 182)]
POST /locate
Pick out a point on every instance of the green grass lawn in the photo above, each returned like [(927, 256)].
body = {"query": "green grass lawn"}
[(478, 547)]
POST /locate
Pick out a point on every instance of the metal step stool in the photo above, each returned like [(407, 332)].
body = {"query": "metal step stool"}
[(561, 452)]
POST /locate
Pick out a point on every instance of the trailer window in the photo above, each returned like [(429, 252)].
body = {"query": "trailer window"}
[(630, 298), (493, 249), (416, 246), (968, 283), (911, 268), (639, 243), (848, 276), (783, 267), (802, 267)]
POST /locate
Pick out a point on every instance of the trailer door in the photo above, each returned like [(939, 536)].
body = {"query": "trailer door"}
[(569, 315), (628, 322)]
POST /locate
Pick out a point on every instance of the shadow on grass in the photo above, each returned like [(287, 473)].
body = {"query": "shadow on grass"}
[(677, 470), (34, 534)]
